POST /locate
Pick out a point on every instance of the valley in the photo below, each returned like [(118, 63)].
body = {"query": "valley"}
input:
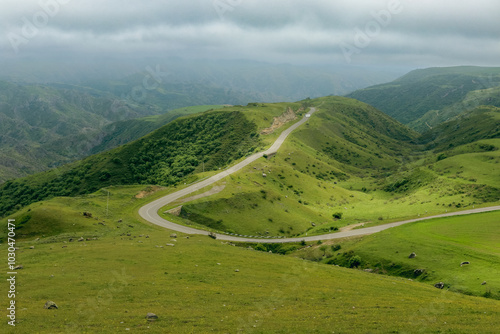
[(312, 222)]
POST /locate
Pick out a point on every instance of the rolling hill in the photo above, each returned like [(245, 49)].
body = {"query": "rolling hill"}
[(44, 126), (123, 269), (425, 98), (83, 245)]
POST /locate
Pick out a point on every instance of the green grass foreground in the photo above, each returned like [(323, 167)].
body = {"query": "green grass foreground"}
[(441, 245), (202, 285)]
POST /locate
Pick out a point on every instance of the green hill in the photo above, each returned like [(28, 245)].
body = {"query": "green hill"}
[(37, 124), (428, 97), (350, 164), (441, 245), (206, 141), (123, 269)]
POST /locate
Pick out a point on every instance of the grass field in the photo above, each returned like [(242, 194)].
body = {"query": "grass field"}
[(202, 285), (441, 246)]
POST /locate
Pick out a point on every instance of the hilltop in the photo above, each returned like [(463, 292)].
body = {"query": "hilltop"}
[(425, 98)]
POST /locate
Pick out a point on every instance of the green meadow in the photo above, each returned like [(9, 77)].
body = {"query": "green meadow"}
[(441, 246), (202, 285)]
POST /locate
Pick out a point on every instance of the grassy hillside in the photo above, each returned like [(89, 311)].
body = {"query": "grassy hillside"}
[(350, 164), (42, 126), (164, 157), (426, 98), (124, 269), (441, 245), (207, 141), (480, 123)]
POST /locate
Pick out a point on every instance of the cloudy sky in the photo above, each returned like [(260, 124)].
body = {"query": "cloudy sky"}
[(407, 33)]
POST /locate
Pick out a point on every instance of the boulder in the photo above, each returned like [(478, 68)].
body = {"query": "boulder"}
[(439, 285), (412, 256), (49, 305), (484, 283), (18, 267), (173, 235), (151, 317)]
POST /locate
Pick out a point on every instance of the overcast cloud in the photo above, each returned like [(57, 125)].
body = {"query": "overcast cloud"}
[(416, 33)]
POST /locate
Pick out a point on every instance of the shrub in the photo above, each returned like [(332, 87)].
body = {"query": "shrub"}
[(337, 215), (354, 261), (336, 247)]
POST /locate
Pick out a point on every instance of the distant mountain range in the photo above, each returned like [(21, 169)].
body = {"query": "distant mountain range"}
[(53, 114), (425, 98)]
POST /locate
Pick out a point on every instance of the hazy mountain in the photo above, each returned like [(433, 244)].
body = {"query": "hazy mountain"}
[(425, 98)]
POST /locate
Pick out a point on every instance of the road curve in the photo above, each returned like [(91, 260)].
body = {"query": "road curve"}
[(150, 211)]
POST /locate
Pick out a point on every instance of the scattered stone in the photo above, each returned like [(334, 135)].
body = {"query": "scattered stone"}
[(70, 239), (101, 223), (484, 283), (237, 270), (129, 234), (32, 247), (87, 214), (81, 239), (132, 226), (439, 285), (147, 236), (49, 305), (264, 175), (174, 236), (369, 270), (151, 317), (313, 225), (18, 267), (463, 263), (37, 239), (212, 235), (120, 220), (65, 246), (171, 245), (412, 256)]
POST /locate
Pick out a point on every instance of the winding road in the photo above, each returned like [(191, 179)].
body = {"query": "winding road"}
[(150, 211)]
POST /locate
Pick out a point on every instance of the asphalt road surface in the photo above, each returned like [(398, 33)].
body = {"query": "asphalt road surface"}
[(150, 211)]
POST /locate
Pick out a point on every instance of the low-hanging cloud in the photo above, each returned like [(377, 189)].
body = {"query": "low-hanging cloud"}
[(415, 33)]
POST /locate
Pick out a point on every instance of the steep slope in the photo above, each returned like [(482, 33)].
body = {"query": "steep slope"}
[(44, 126), (37, 121), (425, 98), (480, 123), (202, 142), (349, 164)]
